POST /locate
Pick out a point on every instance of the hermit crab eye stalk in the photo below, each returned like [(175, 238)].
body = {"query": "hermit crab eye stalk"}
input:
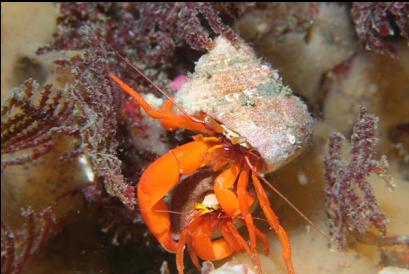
[(235, 138)]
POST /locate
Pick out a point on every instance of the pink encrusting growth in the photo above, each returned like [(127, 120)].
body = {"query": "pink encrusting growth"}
[(178, 82)]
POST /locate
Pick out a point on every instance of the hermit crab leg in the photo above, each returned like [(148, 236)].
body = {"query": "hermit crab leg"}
[(223, 184), (153, 186), (180, 250), (205, 247), (168, 118), (245, 211), (264, 240), (193, 256), (233, 230), (230, 239), (167, 106), (273, 222)]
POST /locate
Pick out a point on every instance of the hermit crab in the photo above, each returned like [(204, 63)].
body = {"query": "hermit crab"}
[(248, 124)]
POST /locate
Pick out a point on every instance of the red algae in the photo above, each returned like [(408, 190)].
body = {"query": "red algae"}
[(377, 23), (19, 247), (350, 212)]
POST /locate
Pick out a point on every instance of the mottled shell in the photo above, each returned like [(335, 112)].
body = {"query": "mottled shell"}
[(232, 85)]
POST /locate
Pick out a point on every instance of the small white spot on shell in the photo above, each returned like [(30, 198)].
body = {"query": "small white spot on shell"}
[(249, 92), (264, 69), (229, 97), (291, 139), (276, 76)]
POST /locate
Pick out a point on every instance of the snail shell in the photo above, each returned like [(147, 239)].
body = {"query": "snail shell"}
[(232, 85)]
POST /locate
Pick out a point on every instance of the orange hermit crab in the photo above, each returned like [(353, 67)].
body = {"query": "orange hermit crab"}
[(249, 124)]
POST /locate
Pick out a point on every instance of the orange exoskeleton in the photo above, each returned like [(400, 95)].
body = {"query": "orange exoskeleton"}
[(248, 124)]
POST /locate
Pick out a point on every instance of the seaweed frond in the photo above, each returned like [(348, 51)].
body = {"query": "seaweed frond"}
[(99, 105), (32, 121), (377, 22), (151, 31), (351, 204), (281, 18), (122, 224), (20, 246)]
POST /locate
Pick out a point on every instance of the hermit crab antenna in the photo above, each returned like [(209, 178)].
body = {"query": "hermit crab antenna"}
[(161, 90), (295, 208), (287, 201)]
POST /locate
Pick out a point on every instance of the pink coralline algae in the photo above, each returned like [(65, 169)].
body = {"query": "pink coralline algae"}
[(377, 23), (177, 83), (351, 204)]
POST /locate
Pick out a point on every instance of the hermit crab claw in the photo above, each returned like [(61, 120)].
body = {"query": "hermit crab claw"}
[(153, 187)]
